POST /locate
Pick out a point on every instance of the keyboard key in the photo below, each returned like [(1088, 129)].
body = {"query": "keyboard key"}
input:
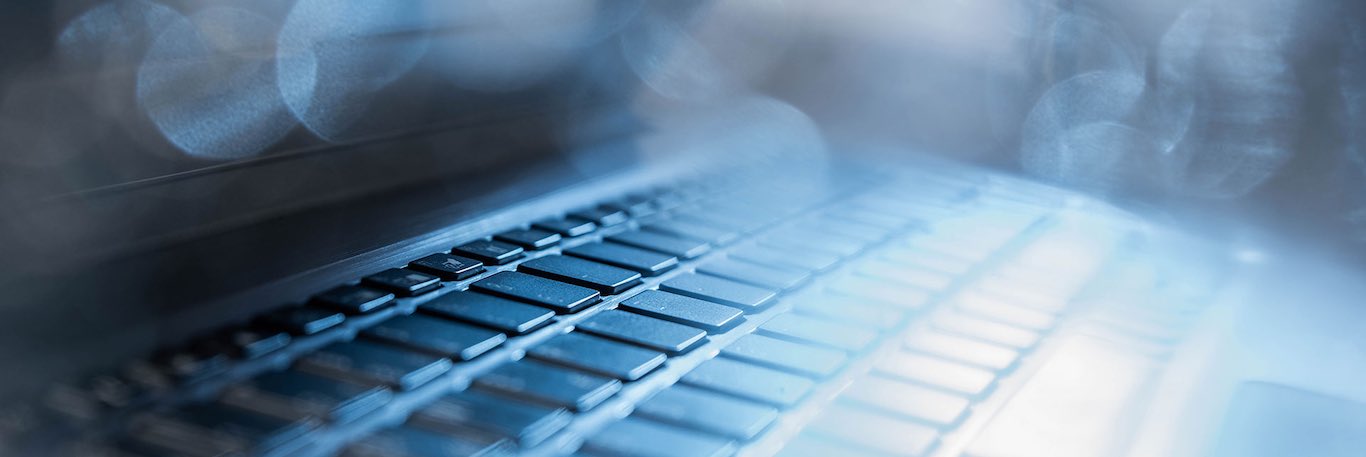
[(558, 296), (764, 385), (635, 205), (569, 227), (705, 411), (850, 310), (295, 394), (1001, 311), (354, 299), (861, 428), (908, 400), (813, 361), (403, 281), (603, 216), (646, 331), (931, 371), (246, 343), (683, 248), (404, 441), (807, 445), (647, 263), (881, 291), (214, 429), (499, 313), (961, 349), (437, 336), (603, 278), (683, 310), (937, 261), (985, 330), (808, 262), (489, 252), (303, 320), (833, 334), (448, 267), (632, 437), (723, 291), (684, 229), (188, 364), (527, 423), (530, 238), (597, 355), (911, 276), (539, 382), (367, 362), (754, 274), (797, 240)]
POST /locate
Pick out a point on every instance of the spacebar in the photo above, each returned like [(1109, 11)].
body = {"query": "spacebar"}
[(1083, 403)]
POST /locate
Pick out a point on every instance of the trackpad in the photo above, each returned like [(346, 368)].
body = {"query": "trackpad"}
[(1272, 420)]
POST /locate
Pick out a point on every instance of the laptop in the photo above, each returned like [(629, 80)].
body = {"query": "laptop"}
[(325, 227)]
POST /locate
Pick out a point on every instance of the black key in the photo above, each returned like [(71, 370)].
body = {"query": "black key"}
[(569, 227), (406, 441), (813, 361), (684, 310), (644, 262), (820, 331), (251, 343), (437, 336), (679, 228), (292, 394), (701, 410), (764, 385), (633, 328), (403, 281), (530, 238), (489, 252), (681, 247), (549, 384), (354, 299), (603, 278), (303, 320), (448, 267), (499, 313), (603, 216), (558, 296), (368, 362), (190, 364), (597, 355), (634, 437), (214, 428), (807, 261), (754, 274), (723, 291), (529, 424)]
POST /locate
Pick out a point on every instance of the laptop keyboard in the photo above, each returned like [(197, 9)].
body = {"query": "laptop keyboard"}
[(709, 318)]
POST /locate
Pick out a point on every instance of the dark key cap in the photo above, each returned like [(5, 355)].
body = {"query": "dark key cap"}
[(754, 274), (487, 310), (295, 394), (529, 424), (195, 429), (634, 437), (808, 261), (404, 441), (190, 364), (764, 385), (403, 281), (549, 384), (633, 328), (354, 299), (644, 262), (702, 410), (249, 343), (684, 310), (603, 278), (813, 361), (679, 228), (681, 247), (603, 216), (723, 291), (530, 238), (597, 355), (489, 252), (437, 336), (303, 320), (820, 331), (569, 227), (368, 362), (558, 296), (448, 267)]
